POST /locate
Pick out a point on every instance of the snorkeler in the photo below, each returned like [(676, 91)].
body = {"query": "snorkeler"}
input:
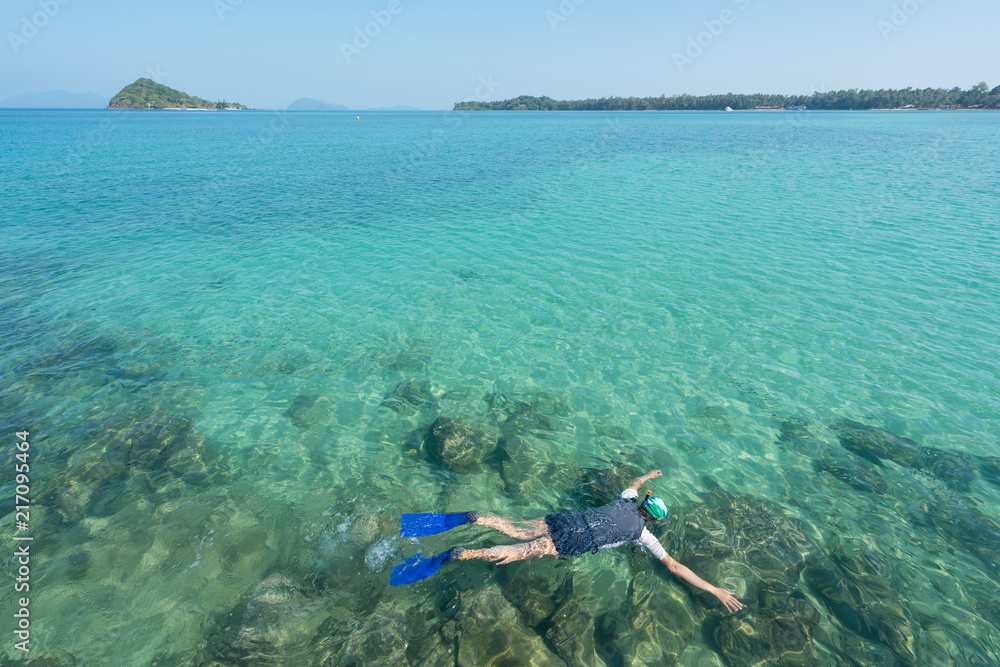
[(572, 533)]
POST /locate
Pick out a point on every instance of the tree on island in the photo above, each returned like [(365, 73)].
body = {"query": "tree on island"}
[(978, 96), (147, 94)]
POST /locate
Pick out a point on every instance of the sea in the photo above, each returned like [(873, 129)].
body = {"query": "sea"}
[(236, 346)]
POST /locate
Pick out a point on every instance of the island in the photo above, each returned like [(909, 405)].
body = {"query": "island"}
[(147, 94), (977, 97), (309, 104)]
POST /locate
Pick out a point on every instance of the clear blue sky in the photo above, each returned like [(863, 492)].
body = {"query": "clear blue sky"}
[(433, 53)]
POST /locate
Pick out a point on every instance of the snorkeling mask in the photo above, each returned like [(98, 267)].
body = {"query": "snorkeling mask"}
[(654, 507)]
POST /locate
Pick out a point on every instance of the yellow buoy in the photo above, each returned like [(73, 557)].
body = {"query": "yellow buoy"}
[(357, 118)]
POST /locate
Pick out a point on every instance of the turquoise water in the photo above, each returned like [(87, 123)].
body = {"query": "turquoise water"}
[(204, 319)]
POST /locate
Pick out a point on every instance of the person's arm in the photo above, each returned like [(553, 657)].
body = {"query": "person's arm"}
[(725, 597), (639, 481)]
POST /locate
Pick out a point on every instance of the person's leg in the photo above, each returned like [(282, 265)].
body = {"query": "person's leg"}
[(508, 554), (520, 530)]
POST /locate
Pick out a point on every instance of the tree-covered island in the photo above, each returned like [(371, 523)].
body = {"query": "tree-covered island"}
[(147, 94), (977, 97)]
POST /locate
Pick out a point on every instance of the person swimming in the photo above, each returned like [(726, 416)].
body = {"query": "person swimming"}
[(569, 534)]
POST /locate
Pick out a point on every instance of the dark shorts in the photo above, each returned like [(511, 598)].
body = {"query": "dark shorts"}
[(570, 533)]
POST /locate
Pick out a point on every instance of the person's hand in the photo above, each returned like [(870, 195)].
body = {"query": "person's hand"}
[(727, 599), (653, 474)]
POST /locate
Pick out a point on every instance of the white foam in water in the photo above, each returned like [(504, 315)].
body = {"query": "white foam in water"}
[(379, 553)]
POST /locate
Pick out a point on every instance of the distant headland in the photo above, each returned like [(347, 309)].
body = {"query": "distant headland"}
[(978, 97), (147, 94)]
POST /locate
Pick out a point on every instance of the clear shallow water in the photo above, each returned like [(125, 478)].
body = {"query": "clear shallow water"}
[(202, 316)]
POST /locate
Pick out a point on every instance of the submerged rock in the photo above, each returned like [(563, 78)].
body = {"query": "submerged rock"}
[(601, 486), (117, 458), (410, 396), (54, 658), (534, 413), (529, 402), (743, 543), (854, 584), (457, 446), (876, 445), (415, 355), (526, 422), (488, 632), (78, 564), (274, 626), (558, 605), (792, 431), (407, 362), (711, 418), (285, 362), (156, 440), (766, 638), (857, 475), (570, 632), (989, 468), (603, 429), (527, 473), (950, 468), (135, 378), (968, 527), (309, 411), (74, 356), (751, 547), (381, 638), (862, 608), (536, 589), (654, 625)]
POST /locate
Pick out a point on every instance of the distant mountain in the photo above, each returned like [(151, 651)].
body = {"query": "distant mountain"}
[(54, 99), (147, 94), (309, 104)]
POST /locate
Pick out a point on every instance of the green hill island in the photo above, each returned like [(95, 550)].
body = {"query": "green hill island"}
[(147, 94)]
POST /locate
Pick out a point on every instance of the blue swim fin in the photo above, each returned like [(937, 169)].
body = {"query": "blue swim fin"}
[(415, 525), (417, 568)]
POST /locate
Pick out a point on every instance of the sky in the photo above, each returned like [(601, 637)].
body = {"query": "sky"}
[(433, 53)]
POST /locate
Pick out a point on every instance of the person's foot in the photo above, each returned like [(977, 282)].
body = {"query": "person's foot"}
[(472, 516), (456, 553)]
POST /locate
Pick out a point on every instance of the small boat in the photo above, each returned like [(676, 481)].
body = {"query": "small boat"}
[(729, 108)]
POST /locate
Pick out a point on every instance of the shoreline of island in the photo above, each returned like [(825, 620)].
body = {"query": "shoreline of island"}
[(147, 95), (978, 97)]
